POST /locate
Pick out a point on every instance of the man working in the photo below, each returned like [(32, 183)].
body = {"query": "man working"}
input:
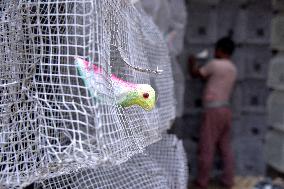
[(220, 74)]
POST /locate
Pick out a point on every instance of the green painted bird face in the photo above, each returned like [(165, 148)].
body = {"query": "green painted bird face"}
[(146, 97), (143, 95)]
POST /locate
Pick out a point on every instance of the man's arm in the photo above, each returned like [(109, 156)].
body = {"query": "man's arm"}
[(194, 70), (202, 72)]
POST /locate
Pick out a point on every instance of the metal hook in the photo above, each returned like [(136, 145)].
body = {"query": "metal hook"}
[(146, 70)]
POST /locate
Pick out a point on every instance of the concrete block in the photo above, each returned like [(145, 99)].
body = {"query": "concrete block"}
[(275, 107), (193, 95), (277, 32), (191, 127), (236, 130), (249, 157), (236, 101), (254, 125), (252, 61), (239, 60), (276, 72), (256, 62), (274, 150), (278, 5), (201, 24), (254, 95), (253, 25), (250, 164), (229, 10)]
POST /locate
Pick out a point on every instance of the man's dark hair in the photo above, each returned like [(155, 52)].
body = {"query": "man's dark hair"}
[(226, 45)]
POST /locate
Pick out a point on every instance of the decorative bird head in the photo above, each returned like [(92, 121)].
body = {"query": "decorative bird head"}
[(127, 94), (142, 95)]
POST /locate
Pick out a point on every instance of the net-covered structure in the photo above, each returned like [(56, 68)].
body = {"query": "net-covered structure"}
[(163, 165), (170, 156), (139, 172), (51, 124), (170, 16)]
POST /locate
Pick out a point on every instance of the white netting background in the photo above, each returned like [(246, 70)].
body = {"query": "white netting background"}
[(19, 149), (163, 166), (139, 172), (170, 156), (50, 124), (170, 17), (158, 55)]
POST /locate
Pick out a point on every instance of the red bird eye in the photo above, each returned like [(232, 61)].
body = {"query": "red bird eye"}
[(146, 95)]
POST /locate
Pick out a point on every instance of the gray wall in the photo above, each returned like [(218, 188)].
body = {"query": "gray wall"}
[(250, 25)]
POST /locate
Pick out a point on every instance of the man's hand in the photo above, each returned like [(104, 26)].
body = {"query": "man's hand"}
[(191, 60), (192, 67)]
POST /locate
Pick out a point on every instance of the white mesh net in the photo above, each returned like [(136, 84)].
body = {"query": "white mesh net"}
[(164, 166), (139, 172), (19, 149), (170, 17), (158, 54), (51, 122), (170, 155)]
